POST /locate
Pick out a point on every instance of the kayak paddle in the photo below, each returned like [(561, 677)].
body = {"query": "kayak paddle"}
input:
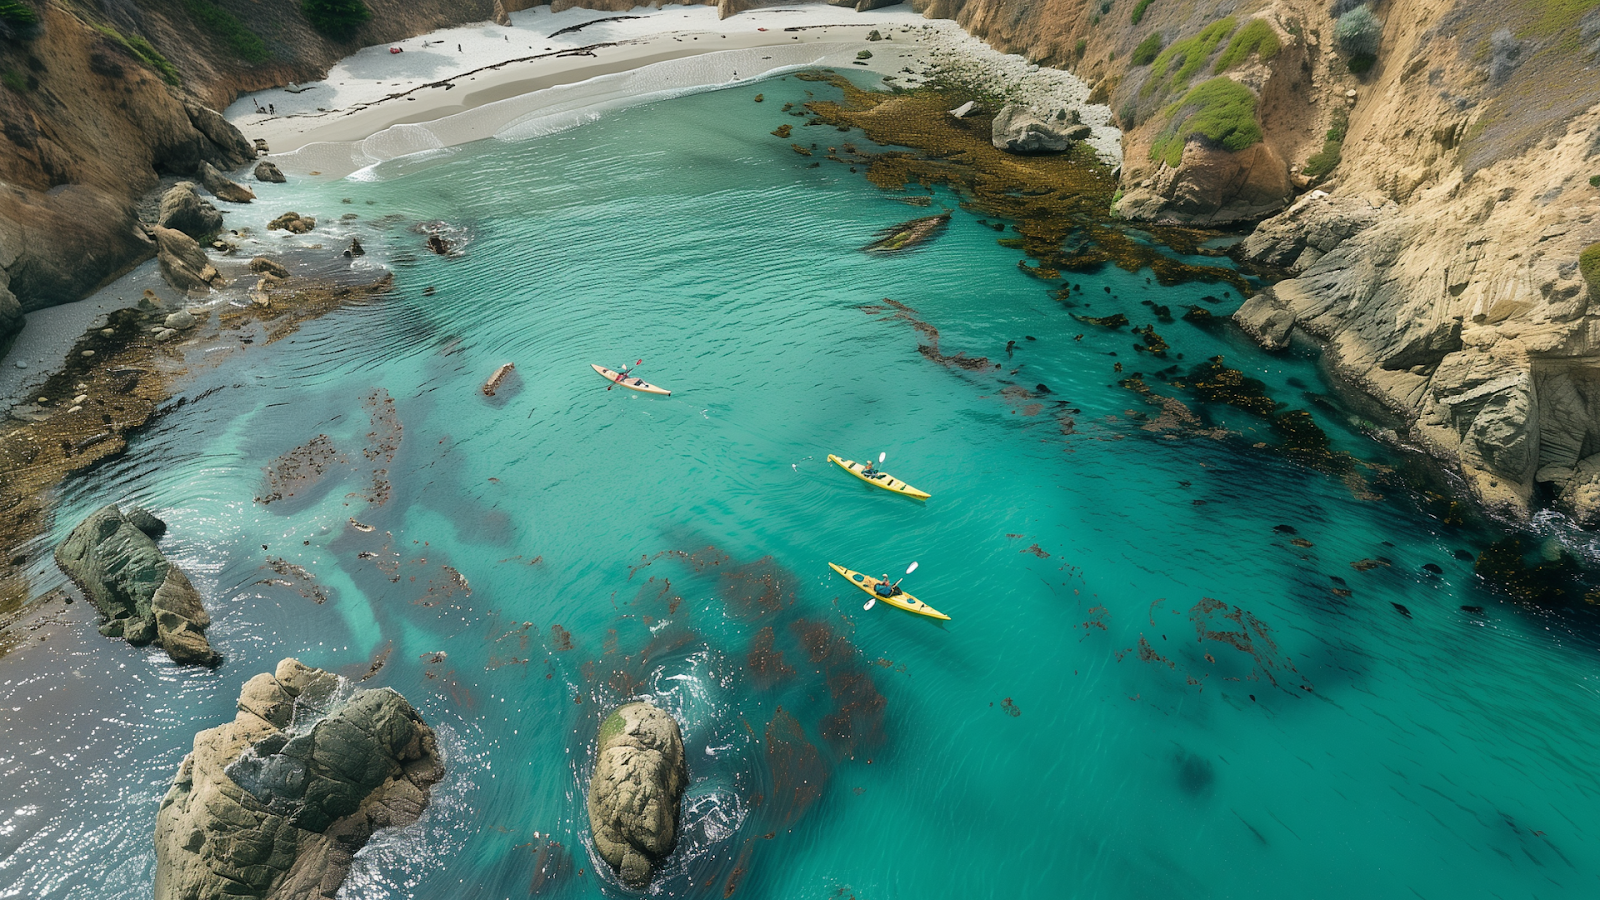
[(624, 374)]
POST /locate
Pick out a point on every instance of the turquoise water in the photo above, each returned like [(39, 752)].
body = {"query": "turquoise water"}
[(1279, 740)]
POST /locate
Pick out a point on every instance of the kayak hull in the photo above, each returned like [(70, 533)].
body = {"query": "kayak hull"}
[(632, 384), (901, 600), (884, 480)]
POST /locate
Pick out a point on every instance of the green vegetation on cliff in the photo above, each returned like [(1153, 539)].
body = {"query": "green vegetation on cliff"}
[(1255, 37), (227, 26), (337, 19), (1324, 160), (1221, 110), (1589, 265), (142, 51), (1138, 11), (15, 12), (1181, 61), (1145, 53)]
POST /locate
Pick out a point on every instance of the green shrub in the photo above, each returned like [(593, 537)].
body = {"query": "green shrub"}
[(1255, 37), (1594, 181), (14, 80), (142, 51), (227, 26), (1589, 265), (1145, 53), (863, 54), (1221, 110), (1358, 32), (1138, 11), (337, 19), (1324, 160), (1361, 63), (15, 12), (1188, 56), (1079, 48)]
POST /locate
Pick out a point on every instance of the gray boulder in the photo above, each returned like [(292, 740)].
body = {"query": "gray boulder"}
[(1017, 130), (261, 265), (275, 803), (636, 790), (267, 171), (1267, 321), (114, 559), (228, 146), (181, 320), (183, 209), (222, 186)]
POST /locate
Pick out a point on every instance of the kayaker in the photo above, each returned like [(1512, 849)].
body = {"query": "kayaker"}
[(869, 473), (883, 588)]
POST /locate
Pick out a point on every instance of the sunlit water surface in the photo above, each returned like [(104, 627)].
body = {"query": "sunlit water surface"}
[(1088, 724)]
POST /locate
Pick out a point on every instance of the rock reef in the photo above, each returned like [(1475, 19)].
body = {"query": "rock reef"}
[(635, 791), (112, 556), (275, 803)]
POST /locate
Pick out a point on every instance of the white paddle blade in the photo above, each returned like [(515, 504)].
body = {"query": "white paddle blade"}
[(869, 603), (911, 568), (882, 456)]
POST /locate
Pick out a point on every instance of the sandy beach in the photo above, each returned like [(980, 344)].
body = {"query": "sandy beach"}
[(549, 70)]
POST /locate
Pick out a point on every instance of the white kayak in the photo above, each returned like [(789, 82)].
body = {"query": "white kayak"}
[(632, 384)]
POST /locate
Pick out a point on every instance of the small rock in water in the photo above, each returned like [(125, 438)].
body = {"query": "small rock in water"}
[(88, 353), (21, 365), (1432, 567), (1464, 556)]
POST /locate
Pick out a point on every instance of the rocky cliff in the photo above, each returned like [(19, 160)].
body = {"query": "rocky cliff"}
[(636, 790), (1453, 143)]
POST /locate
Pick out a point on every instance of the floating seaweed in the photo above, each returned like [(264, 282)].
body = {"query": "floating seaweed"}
[(1115, 320)]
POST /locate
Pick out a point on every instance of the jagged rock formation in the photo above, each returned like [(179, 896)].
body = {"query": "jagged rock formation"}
[(268, 171), (183, 263), (1017, 130), (222, 186), (275, 803), (112, 556), (635, 791), (183, 209)]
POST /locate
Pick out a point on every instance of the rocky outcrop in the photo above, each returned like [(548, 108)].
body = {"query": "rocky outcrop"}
[(1213, 186), (183, 209), (261, 265), (183, 263), (1017, 130), (275, 803), (114, 559), (268, 171), (224, 187), (292, 222), (635, 791)]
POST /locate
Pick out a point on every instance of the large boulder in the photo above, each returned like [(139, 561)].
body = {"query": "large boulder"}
[(267, 170), (1213, 186), (276, 803), (636, 789), (222, 186), (1017, 130), (113, 557), (183, 209), (183, 263)]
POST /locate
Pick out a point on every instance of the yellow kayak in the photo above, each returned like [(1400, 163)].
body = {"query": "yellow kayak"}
[(632, 384), (901, 600), (879, 479)]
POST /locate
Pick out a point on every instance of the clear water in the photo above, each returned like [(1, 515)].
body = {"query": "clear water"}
[(1333, 748)]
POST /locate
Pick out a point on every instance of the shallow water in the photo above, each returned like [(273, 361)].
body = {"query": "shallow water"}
[(1088, 725)]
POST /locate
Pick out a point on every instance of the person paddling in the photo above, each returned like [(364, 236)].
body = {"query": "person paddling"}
[(622, 376), (883, 588)]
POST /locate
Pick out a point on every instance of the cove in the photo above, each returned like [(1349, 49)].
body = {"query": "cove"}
[(1149, 686)]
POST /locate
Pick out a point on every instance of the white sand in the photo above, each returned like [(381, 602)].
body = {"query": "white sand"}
[(464, 84)]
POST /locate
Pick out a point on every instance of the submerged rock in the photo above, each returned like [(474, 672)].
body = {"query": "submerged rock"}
[(183, 209), (908, 234), (261, 265), (114, 559), (224, 187), (634, 794), (276, 803), (1018, 130), (292, 222)]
